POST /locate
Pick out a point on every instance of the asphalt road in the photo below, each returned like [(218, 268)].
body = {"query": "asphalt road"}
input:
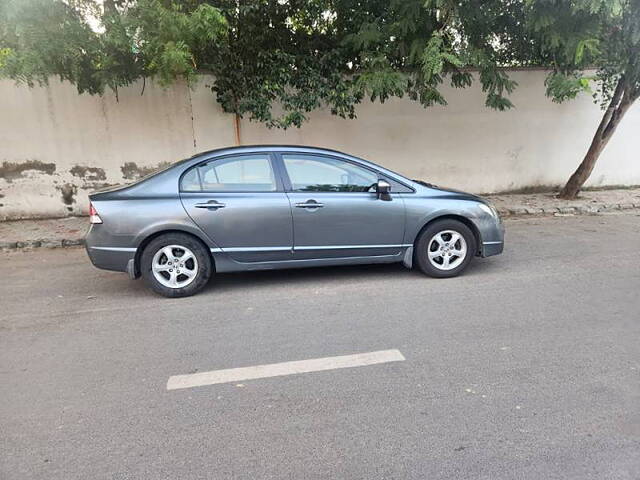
[(526, 367)]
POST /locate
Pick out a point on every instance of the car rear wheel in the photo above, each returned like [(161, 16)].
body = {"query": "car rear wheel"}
[(175, 265), (445, 248)]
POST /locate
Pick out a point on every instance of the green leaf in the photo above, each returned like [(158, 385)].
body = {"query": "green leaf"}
[(589, 45), (561, 87)]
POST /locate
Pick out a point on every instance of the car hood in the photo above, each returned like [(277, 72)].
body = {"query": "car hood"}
[(451, 192)]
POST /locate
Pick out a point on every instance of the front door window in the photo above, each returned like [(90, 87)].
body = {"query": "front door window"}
[(324, 174)]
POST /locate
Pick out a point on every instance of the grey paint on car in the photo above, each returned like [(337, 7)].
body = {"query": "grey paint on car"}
[(282, 227)]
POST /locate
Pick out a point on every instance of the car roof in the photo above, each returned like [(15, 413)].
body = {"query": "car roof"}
[(271, 148)]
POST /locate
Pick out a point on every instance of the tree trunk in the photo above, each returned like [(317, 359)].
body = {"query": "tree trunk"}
[(582, 173), (620, 103), (236, 128)]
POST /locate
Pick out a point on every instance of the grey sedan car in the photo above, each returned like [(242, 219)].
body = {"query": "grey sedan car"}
[(268, 207)]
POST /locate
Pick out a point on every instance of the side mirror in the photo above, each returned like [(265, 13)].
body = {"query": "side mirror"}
[(384, 189)]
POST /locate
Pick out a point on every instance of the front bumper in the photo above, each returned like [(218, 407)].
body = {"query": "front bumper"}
[(492, 238)]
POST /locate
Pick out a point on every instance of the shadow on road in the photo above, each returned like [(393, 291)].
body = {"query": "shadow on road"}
[(321, 275)]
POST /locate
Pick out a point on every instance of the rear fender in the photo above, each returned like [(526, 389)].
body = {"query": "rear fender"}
[(155, 230), (186, 227)]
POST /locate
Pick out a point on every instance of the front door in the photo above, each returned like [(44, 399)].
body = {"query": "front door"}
[(336, 210), (238, 201)]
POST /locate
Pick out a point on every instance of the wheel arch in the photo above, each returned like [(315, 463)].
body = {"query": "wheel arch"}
[(460, 218), (149, 238)]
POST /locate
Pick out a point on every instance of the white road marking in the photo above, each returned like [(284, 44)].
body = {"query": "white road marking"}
[(285, 368)]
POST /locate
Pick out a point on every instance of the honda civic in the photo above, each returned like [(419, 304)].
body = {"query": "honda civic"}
[(269, 207)]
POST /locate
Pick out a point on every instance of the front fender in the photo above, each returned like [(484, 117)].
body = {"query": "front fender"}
[(422, 211)]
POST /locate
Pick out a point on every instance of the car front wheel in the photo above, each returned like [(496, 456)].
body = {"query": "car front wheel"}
[(175, 265), (445, 248)]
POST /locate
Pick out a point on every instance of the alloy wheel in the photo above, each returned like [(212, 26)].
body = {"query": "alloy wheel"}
[(447, 250), (174, 266)]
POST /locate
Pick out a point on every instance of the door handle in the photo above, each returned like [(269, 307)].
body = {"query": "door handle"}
[(210, 205), (309, 204)]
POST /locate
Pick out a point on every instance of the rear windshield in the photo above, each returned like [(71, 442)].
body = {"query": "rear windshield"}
[(136, 174)]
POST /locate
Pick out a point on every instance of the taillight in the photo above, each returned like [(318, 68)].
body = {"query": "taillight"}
[(93, 214)]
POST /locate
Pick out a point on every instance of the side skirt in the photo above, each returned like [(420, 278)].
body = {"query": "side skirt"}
[(225, 264)]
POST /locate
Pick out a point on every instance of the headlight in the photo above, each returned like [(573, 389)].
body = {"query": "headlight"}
[(490, 209)]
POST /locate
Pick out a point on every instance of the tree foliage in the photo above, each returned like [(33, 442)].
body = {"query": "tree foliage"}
[(582, 35), (273, 61), (127, 41)]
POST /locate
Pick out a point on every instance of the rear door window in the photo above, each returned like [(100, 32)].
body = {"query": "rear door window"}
[(242, 173)]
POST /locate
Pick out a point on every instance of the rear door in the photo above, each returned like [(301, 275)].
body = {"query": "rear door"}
[(239, 201), (336, 210)]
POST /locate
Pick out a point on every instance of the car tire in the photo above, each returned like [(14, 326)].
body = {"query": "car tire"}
[(176, 265), (445, 248)]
